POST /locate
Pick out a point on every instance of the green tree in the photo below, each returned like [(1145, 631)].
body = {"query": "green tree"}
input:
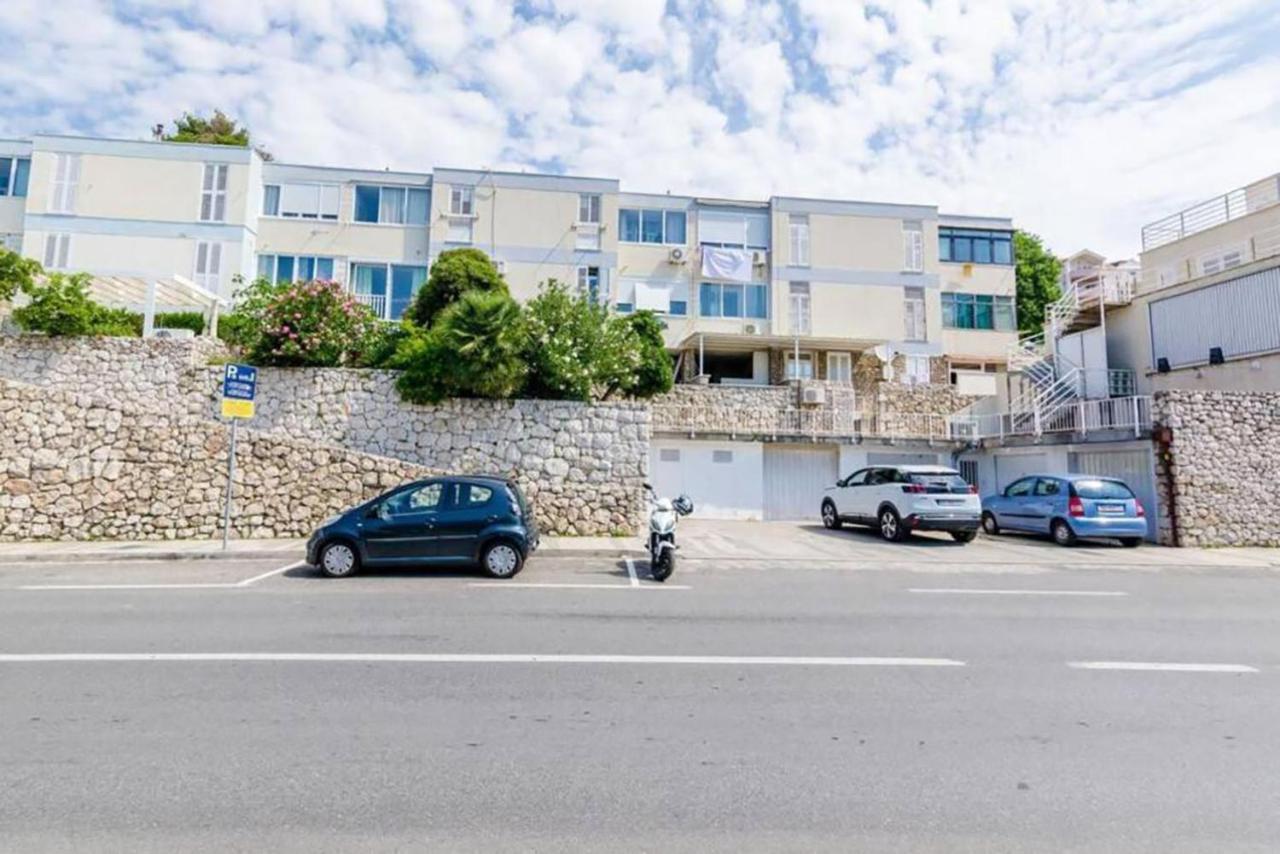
[(218, 129), (455, 272), (564, 342), (635, 361), (1038, 275), (472, 350), (17, 274)]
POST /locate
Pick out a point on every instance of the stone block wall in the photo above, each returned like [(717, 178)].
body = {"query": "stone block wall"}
[(1219, 472)]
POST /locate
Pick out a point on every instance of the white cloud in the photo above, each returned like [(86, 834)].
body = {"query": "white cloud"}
[(1080, 118)]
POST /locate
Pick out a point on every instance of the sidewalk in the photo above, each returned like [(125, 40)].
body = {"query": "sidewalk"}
[(292, 549)]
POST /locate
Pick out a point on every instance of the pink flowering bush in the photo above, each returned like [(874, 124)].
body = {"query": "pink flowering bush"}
[(308, 324)]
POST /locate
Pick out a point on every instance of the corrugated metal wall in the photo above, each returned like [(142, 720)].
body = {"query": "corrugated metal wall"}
[(1242, 316)]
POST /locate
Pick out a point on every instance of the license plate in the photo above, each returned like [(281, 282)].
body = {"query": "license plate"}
[(950, 502), (1111, 509)]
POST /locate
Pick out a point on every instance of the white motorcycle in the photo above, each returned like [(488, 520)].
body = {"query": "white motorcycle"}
[(663, 514)]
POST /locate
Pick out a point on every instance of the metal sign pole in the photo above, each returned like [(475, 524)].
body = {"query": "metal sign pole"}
[(231, 475)]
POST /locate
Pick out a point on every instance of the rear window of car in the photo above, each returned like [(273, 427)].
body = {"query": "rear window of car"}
[(1102, 489), (517, 497), (941, 480)]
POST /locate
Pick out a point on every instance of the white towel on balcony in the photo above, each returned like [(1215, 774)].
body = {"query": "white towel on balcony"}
[(731, 264)]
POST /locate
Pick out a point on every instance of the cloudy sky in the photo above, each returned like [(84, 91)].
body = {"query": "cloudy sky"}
[(1082, 119)]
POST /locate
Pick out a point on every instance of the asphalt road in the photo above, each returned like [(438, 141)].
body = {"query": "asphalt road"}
[(742, 707)]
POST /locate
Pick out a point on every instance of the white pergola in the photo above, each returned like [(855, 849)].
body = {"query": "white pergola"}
[(149, 294)]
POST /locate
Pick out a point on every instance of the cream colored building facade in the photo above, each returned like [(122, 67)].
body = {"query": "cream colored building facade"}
[(750, 291)]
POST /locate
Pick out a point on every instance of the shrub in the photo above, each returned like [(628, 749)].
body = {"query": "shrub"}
[(454, 273), (564, 334), (381, 349), (17, 274), (242, 327), (60, 306), (314, 324), (192, 320), (634, 360), (473, 350)]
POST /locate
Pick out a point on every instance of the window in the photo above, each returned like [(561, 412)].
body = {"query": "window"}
[(858, 478), (208, 265), (462, 201), (916, 327), (391, 205), (840, 368), (915, 370), (15, 172), (799, 227), (1105, 489), (969, 471), (978, 311), (301, 201), (801, 318), (589, 283), (1045, 486), (913, 246), (56, 249), (1020, 488), (461, 230), (66, 178), (975, 246), (669, 455), (295, 268), (589, 208), (645, 225), (722, 456), (421, 500), (473, 495), (801, 369), (213, 193), (715, 300), (1222, 260), (387, 289), (734, 229)]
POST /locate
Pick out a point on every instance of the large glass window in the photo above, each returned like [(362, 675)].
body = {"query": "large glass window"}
[(388, 289), (978, 311), (15, 172), (301, 201), (295, 268), (651, 225), (975, 246), (391, 205), (716, 300)]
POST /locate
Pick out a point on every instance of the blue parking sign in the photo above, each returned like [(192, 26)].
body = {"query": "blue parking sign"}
[(239, 387)]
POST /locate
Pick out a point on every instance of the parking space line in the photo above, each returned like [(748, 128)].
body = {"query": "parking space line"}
[(226, 585), (631, 571), (1013, 591), (499, 585), (248, 581), (1169, 666), (467, 658)]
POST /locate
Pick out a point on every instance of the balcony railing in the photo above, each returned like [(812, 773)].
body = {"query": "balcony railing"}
[(377, 303), (1116, 414), (1214, 212)]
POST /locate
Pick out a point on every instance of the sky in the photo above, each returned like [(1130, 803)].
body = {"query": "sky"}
[(1081, 119)]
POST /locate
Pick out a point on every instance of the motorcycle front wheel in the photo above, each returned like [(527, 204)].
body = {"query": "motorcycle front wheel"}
[(662, 567)]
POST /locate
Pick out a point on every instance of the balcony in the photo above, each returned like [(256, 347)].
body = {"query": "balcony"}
[(1212, 213), (377, 303)]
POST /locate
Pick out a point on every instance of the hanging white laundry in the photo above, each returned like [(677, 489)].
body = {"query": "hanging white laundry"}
[(731, 264)]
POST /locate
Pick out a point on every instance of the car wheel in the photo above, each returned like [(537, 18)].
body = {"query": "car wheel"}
[(1131, 542), (964, 536), (501, 559), (830, 519), (989, 524), (1062, 533), (339, 560), (891, 526)]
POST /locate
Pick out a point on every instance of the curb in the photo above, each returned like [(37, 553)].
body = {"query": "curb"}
[(262, 554)]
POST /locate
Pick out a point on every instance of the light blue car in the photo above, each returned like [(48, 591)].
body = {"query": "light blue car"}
[(1067, 507)]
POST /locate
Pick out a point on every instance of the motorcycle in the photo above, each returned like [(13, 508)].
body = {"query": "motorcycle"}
[(663, 514)]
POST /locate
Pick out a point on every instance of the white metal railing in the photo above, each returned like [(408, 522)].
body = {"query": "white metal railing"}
[(1213, 212), (700, 419), (1128, 414), (377, 302)]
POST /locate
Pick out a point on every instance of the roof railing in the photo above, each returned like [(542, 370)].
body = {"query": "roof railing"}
[(1211, 213)]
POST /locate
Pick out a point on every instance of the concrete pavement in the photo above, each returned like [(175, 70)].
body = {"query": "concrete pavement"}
[(746, 706)]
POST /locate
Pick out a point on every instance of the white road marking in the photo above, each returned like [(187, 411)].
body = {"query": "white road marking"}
[(1175, 667), (229, 585), (500, 585), (465, 658), (1013, 592), (631, 571)]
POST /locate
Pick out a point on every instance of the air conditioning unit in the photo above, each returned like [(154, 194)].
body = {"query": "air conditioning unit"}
[(752, 329), (760, 258), (502, 267), (678, 255), (812, 393)]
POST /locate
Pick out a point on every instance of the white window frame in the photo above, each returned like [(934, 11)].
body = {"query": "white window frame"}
[(213, 193), (806, 358), (915, 315), (913, 246), (14, 160), (64, 183), (315, 263), (321, 214), (841, 364), (916, 370), (57, 251), (589, 208), (208, 265), (664, 211), (800, 303), (798, 225), (584, 283), (462, 201)]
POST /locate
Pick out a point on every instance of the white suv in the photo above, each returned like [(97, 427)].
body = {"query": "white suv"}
[(900, 499)]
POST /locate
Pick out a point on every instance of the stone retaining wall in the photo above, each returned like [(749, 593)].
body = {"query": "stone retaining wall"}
[(1219, 473)]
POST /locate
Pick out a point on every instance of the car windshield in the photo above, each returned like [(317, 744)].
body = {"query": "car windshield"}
[(1104, 489), (938, 481)]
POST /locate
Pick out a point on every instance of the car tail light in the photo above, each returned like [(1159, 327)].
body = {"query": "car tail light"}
[(973, 490), (1142, 511), (914, 488), (1075, 507)]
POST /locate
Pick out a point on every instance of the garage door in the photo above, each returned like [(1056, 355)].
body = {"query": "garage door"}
[(724, 479), (1133, 467), (795, 476), (1010, 467)]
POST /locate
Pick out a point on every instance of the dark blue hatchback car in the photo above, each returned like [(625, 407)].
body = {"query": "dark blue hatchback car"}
[(442, 521)]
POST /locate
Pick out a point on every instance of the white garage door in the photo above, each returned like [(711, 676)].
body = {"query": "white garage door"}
[(723, 479), (1135, 468), (1010, 467), (795, 477)]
